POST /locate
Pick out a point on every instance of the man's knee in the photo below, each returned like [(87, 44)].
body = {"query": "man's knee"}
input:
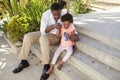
[(27, 36), (43, 38)]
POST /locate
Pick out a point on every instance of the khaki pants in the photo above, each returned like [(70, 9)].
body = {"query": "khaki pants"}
[(45, 42)]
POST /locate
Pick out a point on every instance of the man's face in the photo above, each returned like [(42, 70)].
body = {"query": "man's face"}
[(56, 14)]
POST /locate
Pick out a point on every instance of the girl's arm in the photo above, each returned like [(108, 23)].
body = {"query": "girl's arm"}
[(58, 32)]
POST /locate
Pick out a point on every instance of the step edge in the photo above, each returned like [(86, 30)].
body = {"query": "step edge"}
[(115, 61), (113, 42)]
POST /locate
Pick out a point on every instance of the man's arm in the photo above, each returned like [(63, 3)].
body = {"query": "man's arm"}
[(51, 27)]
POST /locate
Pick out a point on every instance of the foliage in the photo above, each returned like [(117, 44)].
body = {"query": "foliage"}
[(14, 6), (18, 26), (24, 16), (34, 10), (2, 11), (79, 7), (8, 7)]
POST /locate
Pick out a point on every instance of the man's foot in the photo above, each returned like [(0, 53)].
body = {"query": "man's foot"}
[(21, 66), (50, 70), (45, 76)]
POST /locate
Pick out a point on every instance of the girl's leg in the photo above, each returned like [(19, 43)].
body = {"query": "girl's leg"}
[(56, 55), (51, 69), (69, 50), (60, 65)]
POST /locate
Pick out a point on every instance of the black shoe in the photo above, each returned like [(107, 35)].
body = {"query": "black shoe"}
[(22, 65), (45, 76)]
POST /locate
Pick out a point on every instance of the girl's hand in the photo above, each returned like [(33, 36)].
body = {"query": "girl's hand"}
[(73, 38)]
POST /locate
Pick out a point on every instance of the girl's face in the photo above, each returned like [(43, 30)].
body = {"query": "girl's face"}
[(66, 24)]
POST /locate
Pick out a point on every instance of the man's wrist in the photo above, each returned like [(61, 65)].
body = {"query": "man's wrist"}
[(55, 26)]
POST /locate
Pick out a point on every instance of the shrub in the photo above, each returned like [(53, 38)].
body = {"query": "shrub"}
[(79, 7), (18, 26), (24, 19)]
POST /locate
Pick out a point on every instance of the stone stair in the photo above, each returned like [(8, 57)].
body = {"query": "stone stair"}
[(68, 72), (105, 4), (97, 55)]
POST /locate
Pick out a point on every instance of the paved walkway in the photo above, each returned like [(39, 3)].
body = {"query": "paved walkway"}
[(104, 22), (8, 61)]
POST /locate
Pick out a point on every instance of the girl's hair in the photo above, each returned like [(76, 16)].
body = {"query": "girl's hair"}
[(67, 17)]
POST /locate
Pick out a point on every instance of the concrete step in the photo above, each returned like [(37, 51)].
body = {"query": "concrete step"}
[(68, 72), (92, 67), (82, 67), (98, 45), (113, 42), (100, 26), (106, 4), (103, 51), (102, 56), (107, 71)]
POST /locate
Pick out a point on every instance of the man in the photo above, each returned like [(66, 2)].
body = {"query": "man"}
[(49, 24)]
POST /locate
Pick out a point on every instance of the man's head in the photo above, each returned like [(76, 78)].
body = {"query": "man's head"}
[(56, 10)]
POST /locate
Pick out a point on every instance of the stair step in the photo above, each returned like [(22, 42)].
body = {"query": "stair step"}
[(92, 67), (68, 71), (73, 73), (102, 56), (100, 26), (96, 44), (82, 67), (113, 42), (107, 71)]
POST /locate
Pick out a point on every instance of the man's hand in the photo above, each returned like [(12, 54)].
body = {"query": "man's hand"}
[(54, 26), (57, 26)]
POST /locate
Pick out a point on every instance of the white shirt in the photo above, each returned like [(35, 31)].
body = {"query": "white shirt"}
[(47, 20)]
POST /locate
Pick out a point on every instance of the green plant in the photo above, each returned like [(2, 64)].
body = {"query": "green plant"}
[(79, 7), (24, 17), (18, 26), (14, 6), (8, 7), (34, 9), (1, 13)]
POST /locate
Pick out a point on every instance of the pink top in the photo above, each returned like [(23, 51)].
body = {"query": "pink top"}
[(68, 31)]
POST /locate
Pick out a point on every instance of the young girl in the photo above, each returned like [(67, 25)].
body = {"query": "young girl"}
[(67, 41)]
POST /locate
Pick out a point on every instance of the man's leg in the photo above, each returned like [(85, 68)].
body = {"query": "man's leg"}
[(28, 40), (45, 42)]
